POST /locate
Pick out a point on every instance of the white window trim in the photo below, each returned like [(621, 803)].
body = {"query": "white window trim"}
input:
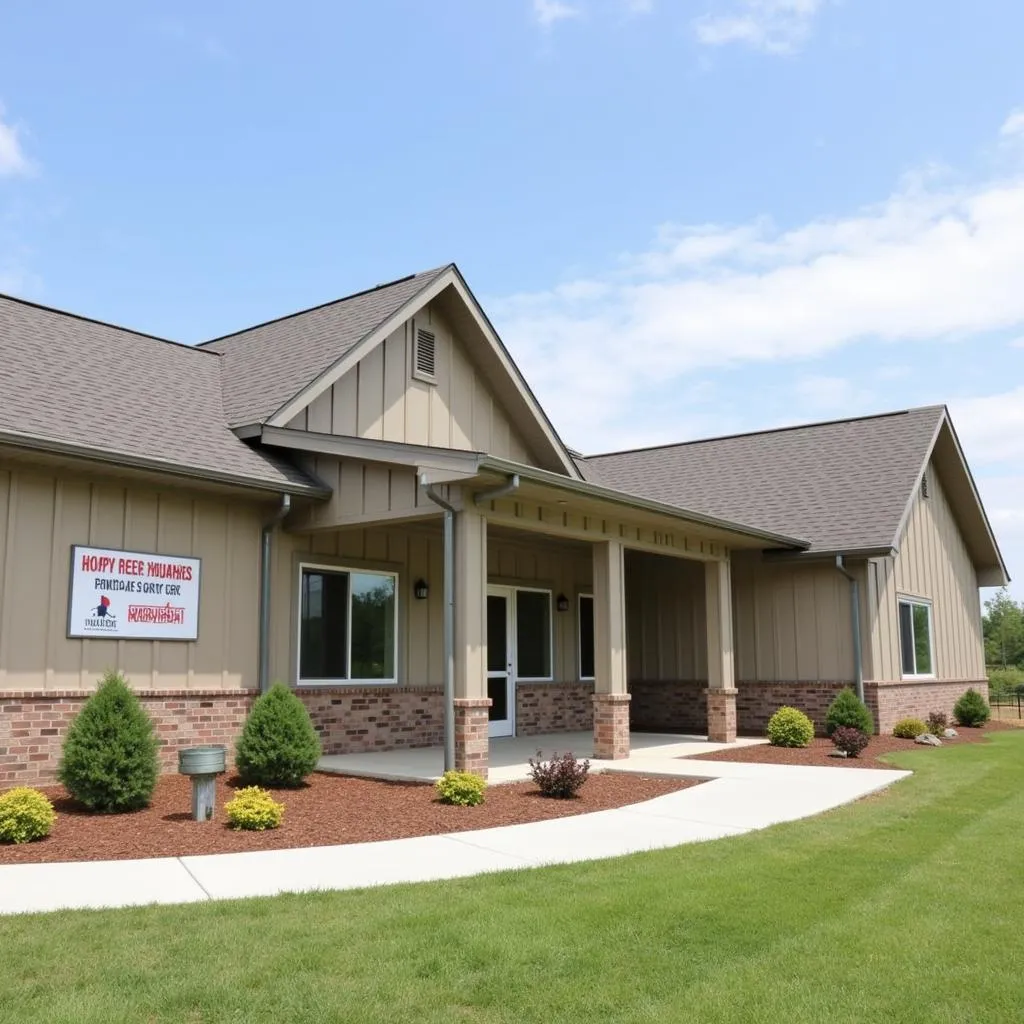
[(907, 599), (350, 571), (551, 634), (580, 598)]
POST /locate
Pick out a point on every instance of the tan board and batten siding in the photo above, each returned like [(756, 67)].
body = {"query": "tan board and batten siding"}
[(933, 563), (378, 399), (42, 515)]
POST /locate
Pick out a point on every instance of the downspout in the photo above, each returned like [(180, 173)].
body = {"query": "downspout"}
[(858, 657), (265, 574), (449, 621), (449, 602)]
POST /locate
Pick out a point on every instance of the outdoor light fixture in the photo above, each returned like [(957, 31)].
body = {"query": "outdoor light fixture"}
[(562, 603), (420, 589)]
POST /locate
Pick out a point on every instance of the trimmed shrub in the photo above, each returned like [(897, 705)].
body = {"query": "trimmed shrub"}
[(279, 746), (254, 810), (790, 727), (109, 761), (848, 709), (850, 740), (464, 789), (972, 709), (561, 777), (910, 728), (25, 815), (938, 723)]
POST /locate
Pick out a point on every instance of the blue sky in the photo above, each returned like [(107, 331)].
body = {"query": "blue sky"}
[(686, 217)]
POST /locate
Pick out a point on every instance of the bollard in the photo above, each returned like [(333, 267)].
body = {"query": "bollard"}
[(203, 765)]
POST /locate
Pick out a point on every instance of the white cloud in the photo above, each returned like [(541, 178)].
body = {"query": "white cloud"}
[(12, 157), (548, 12), (933, 262), (773, 26), (1013, 125)]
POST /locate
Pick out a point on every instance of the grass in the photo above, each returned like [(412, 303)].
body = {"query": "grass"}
[(900, 908)]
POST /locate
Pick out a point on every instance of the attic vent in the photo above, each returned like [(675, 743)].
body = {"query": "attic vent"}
[(425, 354), (924, 486)]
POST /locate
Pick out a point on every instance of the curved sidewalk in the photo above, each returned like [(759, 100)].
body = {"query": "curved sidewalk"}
[(739, 798)]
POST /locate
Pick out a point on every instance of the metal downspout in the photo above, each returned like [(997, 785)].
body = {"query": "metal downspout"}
[(449, 622), (510, 485), (858, 656), (266, 539)]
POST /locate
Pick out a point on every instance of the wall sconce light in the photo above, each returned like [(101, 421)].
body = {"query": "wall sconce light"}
[(420, 589), (562, 603)]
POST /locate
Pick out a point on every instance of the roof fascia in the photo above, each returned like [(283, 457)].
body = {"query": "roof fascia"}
[(916, 487), (341, 366), (519, 381), (582, 487)]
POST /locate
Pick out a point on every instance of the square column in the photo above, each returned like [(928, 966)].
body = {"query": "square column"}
[(721, 691), (611, 698), (471, 700)]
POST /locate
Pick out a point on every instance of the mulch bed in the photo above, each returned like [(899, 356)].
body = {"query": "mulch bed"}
[(328, 810), (817, 753)]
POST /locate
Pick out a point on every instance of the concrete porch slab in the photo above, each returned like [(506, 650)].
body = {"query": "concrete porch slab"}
[(509, 756)]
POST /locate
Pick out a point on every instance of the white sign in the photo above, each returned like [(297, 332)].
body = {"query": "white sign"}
[(133, 595)]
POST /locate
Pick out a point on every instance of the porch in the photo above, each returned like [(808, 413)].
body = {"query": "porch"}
[(509, 756)]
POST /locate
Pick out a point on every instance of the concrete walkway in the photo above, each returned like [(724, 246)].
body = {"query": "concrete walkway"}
[(739, 799)]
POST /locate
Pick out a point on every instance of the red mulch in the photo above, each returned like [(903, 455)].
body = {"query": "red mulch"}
[(817, 753), (328, 810)]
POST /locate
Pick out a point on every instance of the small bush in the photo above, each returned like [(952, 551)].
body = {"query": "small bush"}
[(254, 810), (972, 709), (1005, 681), (909, 728), (278, 746), (561, 777), (848, 709), (464, 789), (938, 723), (109, 761), (850, 740), (790, 727), (25, 815)]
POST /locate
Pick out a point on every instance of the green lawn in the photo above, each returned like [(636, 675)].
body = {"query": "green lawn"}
[(904, 907)]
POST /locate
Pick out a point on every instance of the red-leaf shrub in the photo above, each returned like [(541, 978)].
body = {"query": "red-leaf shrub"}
[(560, 777), (850, 740)]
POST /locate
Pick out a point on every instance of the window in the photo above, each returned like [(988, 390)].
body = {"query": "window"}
[(586, 636), (424, 355), (346, 625), (916, 637), (533, 634)]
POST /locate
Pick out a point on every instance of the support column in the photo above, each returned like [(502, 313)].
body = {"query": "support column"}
[(611, 699), (471, 700), (721, 691)]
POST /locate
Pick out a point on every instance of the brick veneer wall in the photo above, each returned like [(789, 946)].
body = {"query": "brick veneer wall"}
[(354, 720), (554, 707), (33, 725), (894, 701), (674, 706)]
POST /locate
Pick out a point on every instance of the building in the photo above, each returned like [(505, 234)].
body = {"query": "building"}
[(272, 505)]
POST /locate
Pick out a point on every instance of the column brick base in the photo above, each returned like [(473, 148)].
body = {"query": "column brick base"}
[(611, 726), (721, 714), (471, 742)]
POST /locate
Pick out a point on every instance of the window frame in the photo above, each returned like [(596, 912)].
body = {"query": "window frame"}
[(924, 602), (349, 571), (580, 598), (551, 633)]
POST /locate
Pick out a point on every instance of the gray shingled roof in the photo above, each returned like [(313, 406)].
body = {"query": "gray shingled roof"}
[(843, 486), (267, 365), (68, 382)]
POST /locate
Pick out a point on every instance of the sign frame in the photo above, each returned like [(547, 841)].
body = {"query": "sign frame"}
[(76, 549)]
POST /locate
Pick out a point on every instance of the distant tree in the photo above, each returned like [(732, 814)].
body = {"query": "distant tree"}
[(1003, 625)]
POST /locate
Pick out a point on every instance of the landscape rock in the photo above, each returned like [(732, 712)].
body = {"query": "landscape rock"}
[(928, 740), (837, 753), (950, 734)]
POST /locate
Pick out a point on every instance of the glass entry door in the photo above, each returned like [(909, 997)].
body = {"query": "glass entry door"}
[(500, 659)]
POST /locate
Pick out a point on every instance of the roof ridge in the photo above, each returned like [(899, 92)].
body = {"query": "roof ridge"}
[(767, 430), (104, 323), (331, 302)]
